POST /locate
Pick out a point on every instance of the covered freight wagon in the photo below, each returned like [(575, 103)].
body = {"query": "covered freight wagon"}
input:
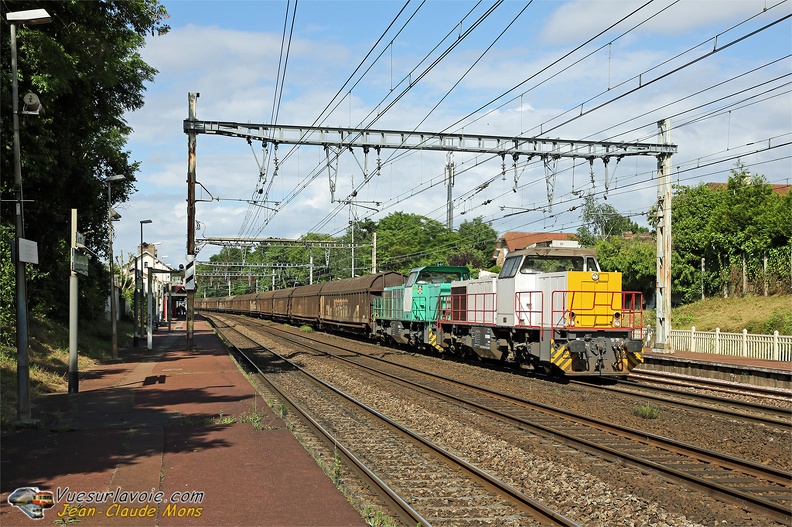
[(346, 304)]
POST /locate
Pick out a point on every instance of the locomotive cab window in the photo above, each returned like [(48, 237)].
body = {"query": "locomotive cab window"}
[(591, 264), (435, 277), (510, 267), (551, 264)]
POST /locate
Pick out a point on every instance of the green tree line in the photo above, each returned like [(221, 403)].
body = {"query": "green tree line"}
[(87, 71), (741, 231), (403, 241)]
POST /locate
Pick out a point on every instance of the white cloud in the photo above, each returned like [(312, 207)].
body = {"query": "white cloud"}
[(234, 70)]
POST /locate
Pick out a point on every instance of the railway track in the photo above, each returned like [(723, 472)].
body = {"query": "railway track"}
[(726, 407), (715, 385), (758, 487), (423, 482)]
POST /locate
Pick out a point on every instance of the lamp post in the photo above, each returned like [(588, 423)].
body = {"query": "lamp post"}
[(113, 324), (33, 16), (140, 260)]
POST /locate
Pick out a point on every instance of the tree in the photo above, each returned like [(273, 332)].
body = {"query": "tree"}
[(730, 226), (476, 244), (410, 240), (602, 221), (87, 71), (635, 258)]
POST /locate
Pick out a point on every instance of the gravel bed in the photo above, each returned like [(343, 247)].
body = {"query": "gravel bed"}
[(585, 488)]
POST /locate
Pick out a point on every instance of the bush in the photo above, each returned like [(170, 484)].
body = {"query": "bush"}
[(780, 320)]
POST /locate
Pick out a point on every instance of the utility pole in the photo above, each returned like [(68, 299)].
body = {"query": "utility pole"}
[(450, 184), (374, 253), (190, 287), (663, 287), (74, 374)]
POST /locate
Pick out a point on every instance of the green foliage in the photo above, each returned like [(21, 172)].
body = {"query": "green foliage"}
[(7, 286), (602, 222), (86, 68), (634, 257), (780, 320), (409, 240), (404, 241), (479, 239), (743, 221)]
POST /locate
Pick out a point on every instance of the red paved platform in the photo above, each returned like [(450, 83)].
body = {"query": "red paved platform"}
[(145, 425)]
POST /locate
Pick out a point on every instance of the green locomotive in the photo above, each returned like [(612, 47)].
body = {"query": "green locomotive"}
[(407, 314)]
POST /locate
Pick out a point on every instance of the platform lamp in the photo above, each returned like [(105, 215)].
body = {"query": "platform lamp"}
[(140, 259), (30, 17), (111, 216)]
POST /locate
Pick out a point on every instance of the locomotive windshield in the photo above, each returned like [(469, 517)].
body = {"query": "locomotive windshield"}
[(426, 276), (535, 264)]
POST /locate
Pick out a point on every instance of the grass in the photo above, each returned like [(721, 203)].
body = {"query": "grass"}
[(48, 352), (647, 411), (757, 314)]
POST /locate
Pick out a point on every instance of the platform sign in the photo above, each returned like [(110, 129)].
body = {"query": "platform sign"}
[(28, 251), (79, 263)]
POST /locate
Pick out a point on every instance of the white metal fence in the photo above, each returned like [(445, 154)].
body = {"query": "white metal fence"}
[(767, 347)]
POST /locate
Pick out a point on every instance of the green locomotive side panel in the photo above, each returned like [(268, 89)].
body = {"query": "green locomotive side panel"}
[(417, 299)]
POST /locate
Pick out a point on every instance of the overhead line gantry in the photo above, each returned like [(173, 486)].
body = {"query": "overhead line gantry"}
[(341, 138)]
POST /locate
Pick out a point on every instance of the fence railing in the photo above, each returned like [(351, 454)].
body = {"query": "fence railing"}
[(767, 347)]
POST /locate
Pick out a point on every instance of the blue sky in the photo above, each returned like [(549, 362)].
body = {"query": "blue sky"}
[(731, 104)]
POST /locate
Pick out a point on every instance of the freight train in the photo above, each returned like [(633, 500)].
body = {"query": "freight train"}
[(551, 308)]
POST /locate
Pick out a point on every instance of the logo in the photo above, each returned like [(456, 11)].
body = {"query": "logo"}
[(32, 501)]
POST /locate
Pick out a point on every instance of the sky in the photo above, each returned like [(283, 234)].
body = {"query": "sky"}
[(593, 70)]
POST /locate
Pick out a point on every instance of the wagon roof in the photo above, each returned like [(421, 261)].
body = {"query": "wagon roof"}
[(283, 293), (372, 282), (307, 290)]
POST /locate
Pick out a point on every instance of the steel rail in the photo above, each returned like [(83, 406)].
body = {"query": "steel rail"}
[(407, 515), (772, 474), (534, 506)]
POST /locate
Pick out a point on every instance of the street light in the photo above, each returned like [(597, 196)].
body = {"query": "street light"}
[(140, 259), (110, 218), (33, 16)]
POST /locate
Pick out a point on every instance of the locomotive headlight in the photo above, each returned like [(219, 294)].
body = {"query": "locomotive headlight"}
[(595, 276), (617, 320), (571, 318)]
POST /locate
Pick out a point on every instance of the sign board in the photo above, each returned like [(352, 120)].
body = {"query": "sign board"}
[(189, 273), (79, 262), (28, 251)]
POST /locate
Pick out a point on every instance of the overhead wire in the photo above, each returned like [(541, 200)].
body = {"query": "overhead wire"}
[(315, 172), (686, 65)]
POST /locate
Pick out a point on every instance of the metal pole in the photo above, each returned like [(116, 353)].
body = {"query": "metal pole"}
[(23, 366), (142, 285), (113, 324), (140, 259), (135, 308), (374, 253), (192, 99), (74, 375), (150, 314)]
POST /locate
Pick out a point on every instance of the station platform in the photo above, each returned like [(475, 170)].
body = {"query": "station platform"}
[(160, 439), (759, 372)]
